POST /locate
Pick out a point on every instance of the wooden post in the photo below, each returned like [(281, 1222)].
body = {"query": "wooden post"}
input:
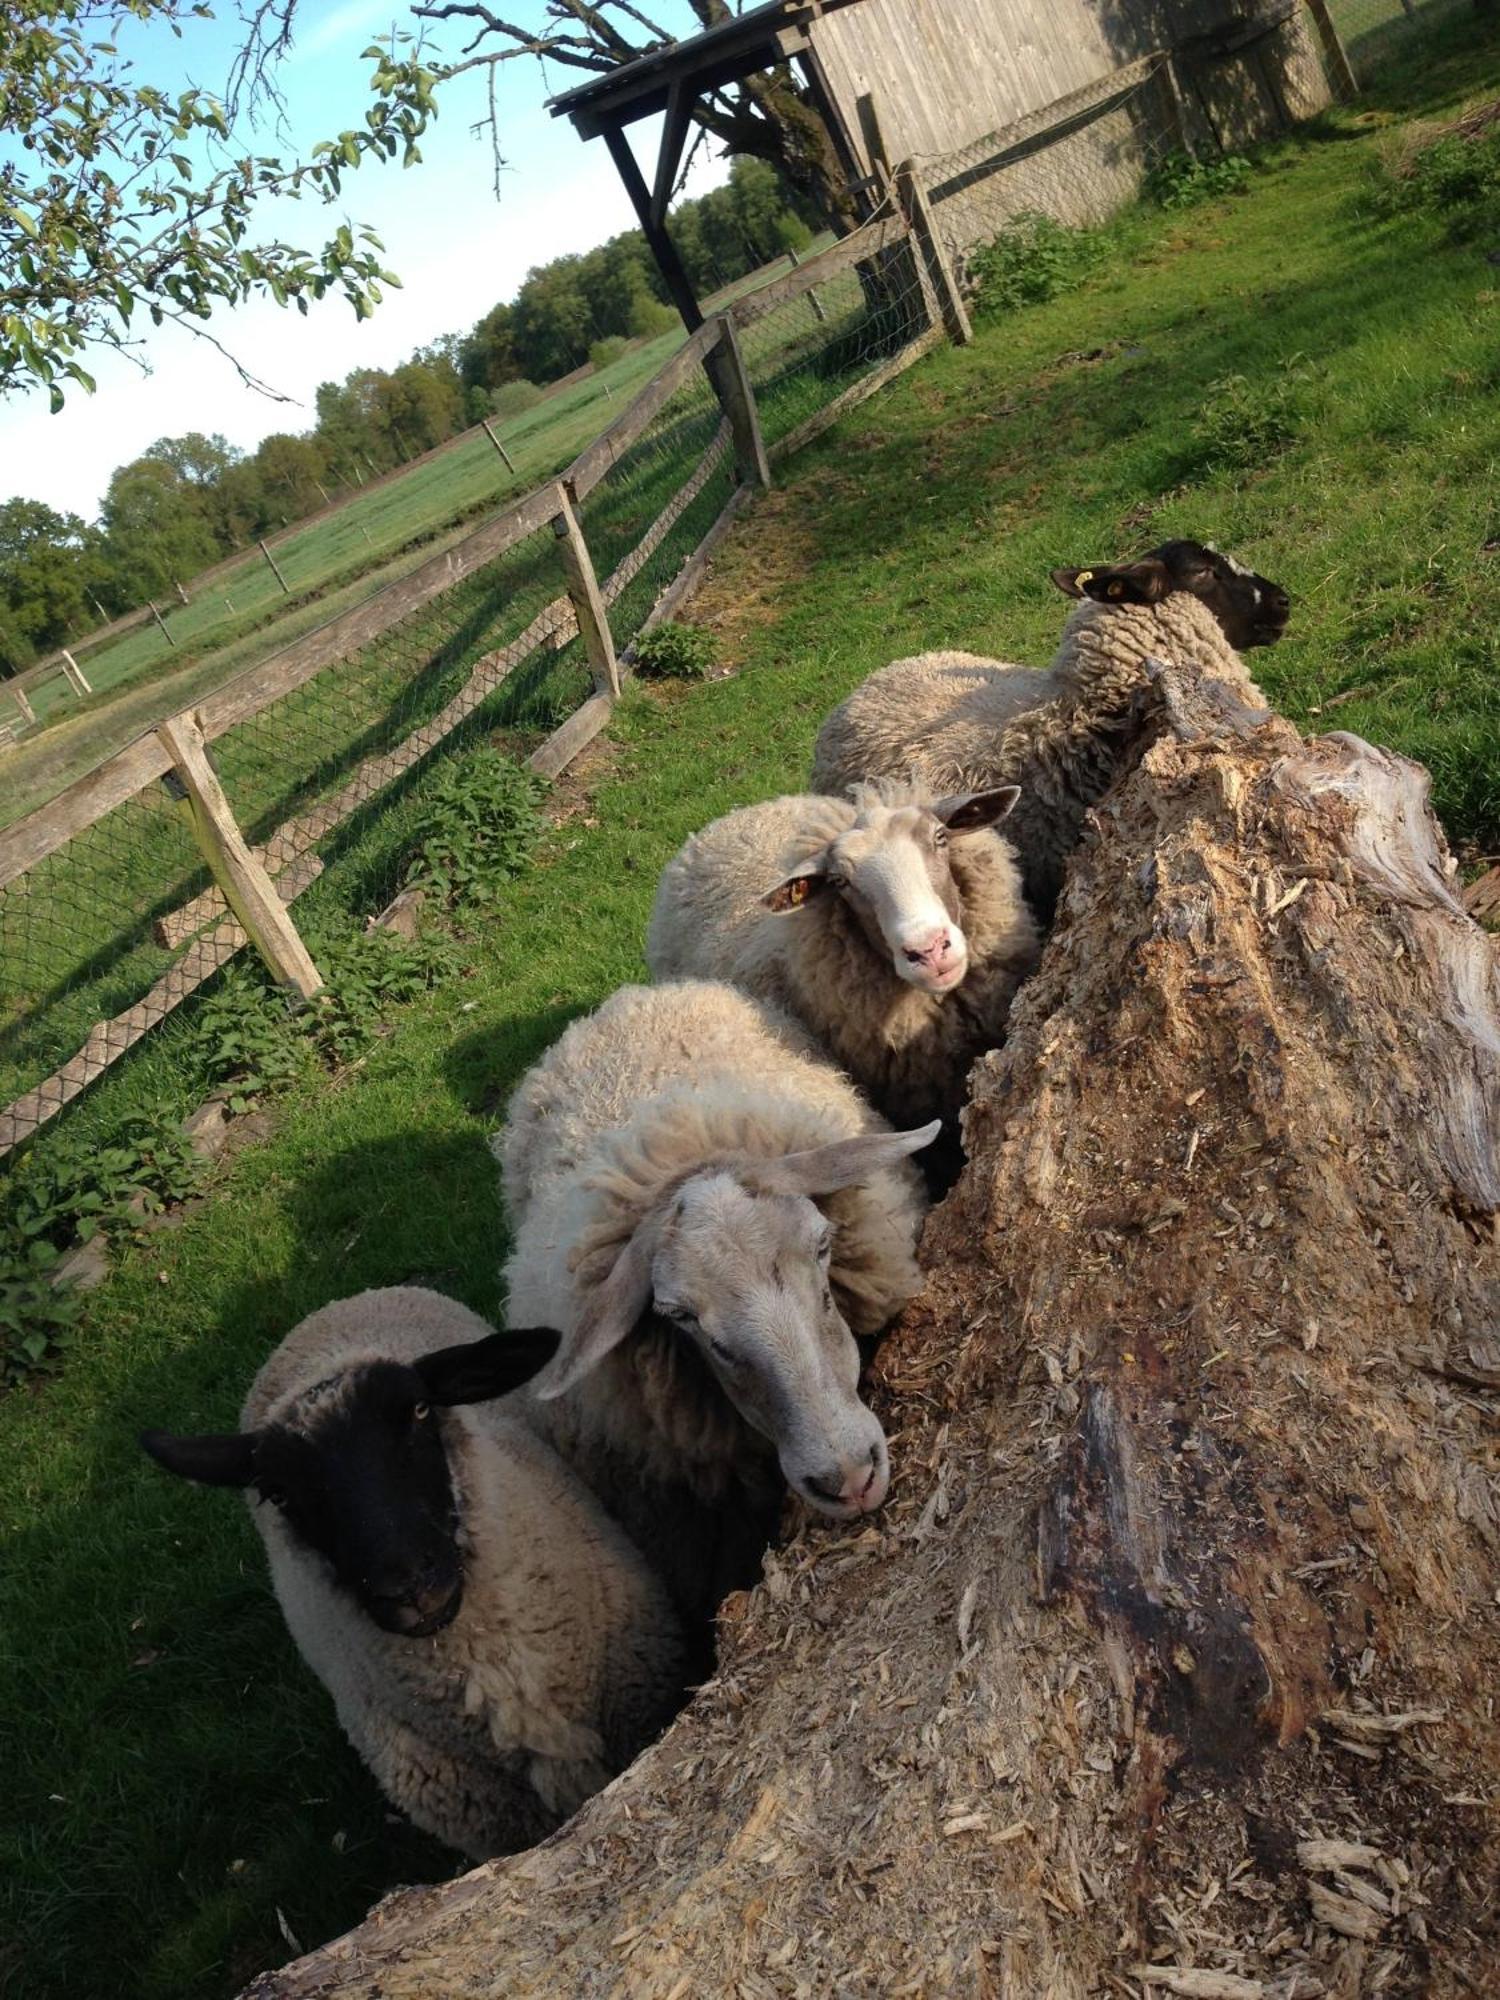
[(18, 695), (727, 372), (182, 596), (274, 570), (150, 605), (74, 674), (1335, 55), (324, 491), (813, 300), (510, 464), (588, 600), (1177, 118), (917, 210), (247, 888), (103, 614)]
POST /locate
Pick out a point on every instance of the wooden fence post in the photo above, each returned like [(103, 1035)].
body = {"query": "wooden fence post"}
[(510, 464), (151, 607), (731, 382), (274, 570), (1334, 53), (18, 695), (247, 888), (588, 599), (917, 211), (819, 311), (74, 674)]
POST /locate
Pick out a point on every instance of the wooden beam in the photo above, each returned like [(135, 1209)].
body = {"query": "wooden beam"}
[(274, 570), (680, 103), (162, 623), (661, 245), (588, 600), (934, 259), (1335, 55), (856, 249), (565, 742), (510, 464), (731, 382), (248, 889), (18, 695), (611, 445), (856, 393), (75, 674)]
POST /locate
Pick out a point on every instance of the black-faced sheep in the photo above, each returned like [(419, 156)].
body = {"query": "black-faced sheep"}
[(495, 1647), (890, 923), (709, 1212), (957, 722)]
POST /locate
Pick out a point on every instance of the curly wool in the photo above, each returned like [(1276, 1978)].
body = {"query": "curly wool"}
[(565, 1657), (910, 1050), (661, 1083), (960, 723)]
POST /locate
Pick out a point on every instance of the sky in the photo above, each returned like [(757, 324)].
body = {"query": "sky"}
[(455, 248)]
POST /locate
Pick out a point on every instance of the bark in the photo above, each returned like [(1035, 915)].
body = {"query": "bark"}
[(1169, 1666)]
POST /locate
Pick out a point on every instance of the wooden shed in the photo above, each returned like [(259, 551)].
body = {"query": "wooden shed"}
[(1071, 98)]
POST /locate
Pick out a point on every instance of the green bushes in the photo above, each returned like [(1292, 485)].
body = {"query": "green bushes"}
[(1455, 174), (604, 353), (1033, 259), (480, 824), (1180, 181), (676, 652), (512, 399)]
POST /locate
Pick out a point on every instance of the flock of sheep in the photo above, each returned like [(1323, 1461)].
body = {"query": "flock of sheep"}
[(501, 1552)]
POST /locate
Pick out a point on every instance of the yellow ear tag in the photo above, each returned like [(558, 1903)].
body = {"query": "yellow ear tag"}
[(796, 891), (1084, 576)]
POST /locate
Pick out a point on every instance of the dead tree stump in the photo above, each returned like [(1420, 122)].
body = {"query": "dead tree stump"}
[(1170, 1667)]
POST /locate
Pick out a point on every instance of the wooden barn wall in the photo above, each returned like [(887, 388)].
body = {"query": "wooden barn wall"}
[(943, 73)]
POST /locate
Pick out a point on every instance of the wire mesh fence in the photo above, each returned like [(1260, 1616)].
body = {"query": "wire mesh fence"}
[(1375, 33)]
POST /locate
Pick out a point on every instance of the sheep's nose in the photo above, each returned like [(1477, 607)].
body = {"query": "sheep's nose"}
[(415, 1610), (932, 951), (860, 1485)]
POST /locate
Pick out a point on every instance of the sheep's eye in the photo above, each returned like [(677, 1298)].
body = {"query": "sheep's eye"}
[(721, 1353), (940, 838), (420, 1411)]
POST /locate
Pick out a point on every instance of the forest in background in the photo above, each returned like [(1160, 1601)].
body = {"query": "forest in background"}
[(186, 502)]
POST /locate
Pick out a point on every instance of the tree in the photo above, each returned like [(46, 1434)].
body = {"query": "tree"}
[(156, 530), (552, 322), (1168, 1668), (46, 560), (487, 356), (115, 196), (291, 471)]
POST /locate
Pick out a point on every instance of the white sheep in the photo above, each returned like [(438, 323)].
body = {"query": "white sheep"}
[(890, 923), (495, 1648), (956, 721), (709, 1212)]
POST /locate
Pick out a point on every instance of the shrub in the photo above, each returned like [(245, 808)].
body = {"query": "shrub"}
[(649, 319), (1180, 181), (1242, 425), (604, 353), (1033, 259), (511, 398), (1455, 174), (676, 652), (479, 825), (66, 1189)]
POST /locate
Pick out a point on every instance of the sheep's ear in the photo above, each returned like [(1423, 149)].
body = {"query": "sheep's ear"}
[(612, 1311), (476, 1370), (211, 1461), (1145, 582), (967, 812), (795, 891), (824, 1169)]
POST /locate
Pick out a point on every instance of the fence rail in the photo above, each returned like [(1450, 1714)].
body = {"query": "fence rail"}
[(119, 901)]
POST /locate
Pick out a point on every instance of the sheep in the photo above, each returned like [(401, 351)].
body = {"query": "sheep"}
[(890, 923), (709, 1213), (957, 721), (495, 1648)]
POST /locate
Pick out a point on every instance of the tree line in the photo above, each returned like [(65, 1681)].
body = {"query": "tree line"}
[(188, 501)]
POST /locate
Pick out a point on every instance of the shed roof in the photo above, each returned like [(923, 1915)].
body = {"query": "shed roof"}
[(723, 54)]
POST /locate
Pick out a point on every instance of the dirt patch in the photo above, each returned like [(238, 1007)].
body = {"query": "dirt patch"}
[(742, 590), (571, 796)]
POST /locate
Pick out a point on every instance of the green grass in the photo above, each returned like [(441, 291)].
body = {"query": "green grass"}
[(174, 1778), (375, 538)]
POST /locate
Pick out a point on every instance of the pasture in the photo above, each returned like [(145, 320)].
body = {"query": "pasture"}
[(1288, 372)]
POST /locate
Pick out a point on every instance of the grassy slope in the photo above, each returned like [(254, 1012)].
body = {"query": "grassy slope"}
[(199, 1784)]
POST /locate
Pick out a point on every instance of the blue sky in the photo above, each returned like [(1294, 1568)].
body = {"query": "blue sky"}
[(454, 247)]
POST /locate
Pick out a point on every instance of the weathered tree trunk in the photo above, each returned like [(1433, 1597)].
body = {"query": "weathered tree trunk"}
[(1170, 1666)]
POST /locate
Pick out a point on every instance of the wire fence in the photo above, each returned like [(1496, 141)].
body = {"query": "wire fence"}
[(109, 916), (1376, 32)]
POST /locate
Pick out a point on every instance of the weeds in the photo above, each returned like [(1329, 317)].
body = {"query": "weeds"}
[(1180, 181), (676, 652), (1033, 259), (1454, 174), (69, 1191), (479, 826), (1242, 425)]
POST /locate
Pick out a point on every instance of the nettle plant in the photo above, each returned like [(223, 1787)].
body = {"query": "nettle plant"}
[(1033, 259), (1180, 181), (479, 826), (676, 652), (68, 1188)]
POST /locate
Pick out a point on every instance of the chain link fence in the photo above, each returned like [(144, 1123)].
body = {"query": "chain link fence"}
[(1375, 33)]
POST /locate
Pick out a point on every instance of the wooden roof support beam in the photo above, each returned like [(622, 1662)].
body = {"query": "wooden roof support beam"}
[(661, 245), (680, 102)]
